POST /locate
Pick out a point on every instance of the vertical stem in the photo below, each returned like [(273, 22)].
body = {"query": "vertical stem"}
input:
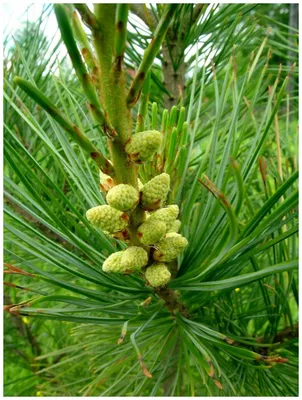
[(113, 92), (113, 89)]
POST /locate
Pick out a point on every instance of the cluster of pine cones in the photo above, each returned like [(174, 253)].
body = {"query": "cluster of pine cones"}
[(158, 234)]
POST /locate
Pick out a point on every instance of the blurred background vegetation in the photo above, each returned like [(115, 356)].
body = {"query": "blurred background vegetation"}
[(54, 356)]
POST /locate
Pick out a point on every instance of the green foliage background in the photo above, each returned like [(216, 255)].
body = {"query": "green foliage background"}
[(231, 151)]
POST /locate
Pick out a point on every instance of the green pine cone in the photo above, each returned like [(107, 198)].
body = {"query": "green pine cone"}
[(114, 263), (123, 197), (167, 215), (134, 258), (151, 232), (107, 218), (158, 275), (155, 192), (175, 226), (143, 145), (169, 247)]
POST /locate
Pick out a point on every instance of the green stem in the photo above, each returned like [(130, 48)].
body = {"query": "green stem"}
[(81, 71), (86, 50), (82, 39), (150, 54), (120, 34), (66, 124), (113, 90), (88, 17)]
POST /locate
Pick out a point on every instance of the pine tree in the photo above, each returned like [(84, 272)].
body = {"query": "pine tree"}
[(162, 223)]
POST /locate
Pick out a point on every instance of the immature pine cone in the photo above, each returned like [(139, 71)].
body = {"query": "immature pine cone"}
[(123, 197), (114, 263), (155, 192), (125, 261), (158, 275), (167, 215), (134, 258), (143, 145), (107, 218), (151, 232), (169, 247)]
